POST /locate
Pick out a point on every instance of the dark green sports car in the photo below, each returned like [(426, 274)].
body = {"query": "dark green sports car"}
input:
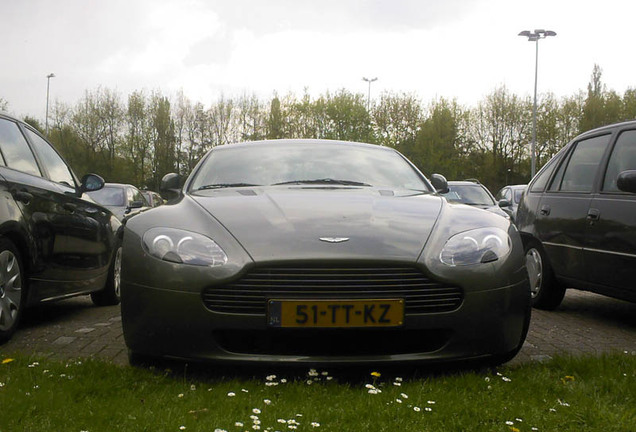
[(316, 251)]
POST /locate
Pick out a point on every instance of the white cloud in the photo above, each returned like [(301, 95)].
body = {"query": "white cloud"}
[(459, 49)]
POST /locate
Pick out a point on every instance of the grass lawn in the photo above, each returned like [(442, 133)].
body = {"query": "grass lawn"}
[(564, 394)]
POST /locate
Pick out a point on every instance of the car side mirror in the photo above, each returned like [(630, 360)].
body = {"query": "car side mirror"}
[(503, 203), (136, 204), (170, 186), (627, 181), (440, 183), (91, 183)]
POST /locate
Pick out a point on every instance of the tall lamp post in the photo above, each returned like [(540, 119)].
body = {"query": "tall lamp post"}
[(534, 37), (369, 80), (48, 82)]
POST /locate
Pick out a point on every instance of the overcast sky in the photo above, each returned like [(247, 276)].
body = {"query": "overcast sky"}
[(461, 49)]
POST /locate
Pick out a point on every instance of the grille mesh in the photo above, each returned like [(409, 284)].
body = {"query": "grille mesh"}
[(249, 294)]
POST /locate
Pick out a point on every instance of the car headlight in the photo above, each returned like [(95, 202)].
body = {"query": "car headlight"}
[(179, 246), (482, 245)]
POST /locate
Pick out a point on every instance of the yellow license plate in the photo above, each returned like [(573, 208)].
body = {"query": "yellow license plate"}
[(336, 313)]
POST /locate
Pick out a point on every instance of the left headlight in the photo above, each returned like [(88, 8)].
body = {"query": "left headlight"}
[(180, 246), (482, 245)]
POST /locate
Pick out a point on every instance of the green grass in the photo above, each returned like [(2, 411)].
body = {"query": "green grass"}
[(565, 394)]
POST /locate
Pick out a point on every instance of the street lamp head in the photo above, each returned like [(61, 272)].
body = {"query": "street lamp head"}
[(51, 75), (369, 80), (537, 34)]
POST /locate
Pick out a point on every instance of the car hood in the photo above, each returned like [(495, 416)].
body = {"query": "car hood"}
[(298, 223)]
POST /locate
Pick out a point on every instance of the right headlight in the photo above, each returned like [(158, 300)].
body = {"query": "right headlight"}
[(476, 246), (180, 246)]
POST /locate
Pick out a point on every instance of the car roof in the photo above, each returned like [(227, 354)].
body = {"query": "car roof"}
[(631, 123)]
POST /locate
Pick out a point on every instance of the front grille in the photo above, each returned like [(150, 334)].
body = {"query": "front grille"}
[(249, 294)]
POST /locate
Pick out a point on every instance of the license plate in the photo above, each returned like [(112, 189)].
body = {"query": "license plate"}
[(336, 313)]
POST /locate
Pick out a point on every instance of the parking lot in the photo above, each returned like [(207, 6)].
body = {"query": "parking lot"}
[(585, 323)]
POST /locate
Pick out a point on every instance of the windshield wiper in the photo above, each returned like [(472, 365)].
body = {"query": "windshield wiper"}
[(225, 185), (324, 181)]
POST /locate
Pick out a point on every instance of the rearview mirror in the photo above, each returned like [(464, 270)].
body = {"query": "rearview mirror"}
[(503, 203), (627, 181), (170, 186), (439, 183), (91, 183)]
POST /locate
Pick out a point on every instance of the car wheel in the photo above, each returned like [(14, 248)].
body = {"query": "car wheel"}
[(12, 293), (111, 294), (546, 292)]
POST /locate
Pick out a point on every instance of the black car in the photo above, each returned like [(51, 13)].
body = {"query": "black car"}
[(317, 251), (473, 193), (124, 200), (54, 244), (578, 218)]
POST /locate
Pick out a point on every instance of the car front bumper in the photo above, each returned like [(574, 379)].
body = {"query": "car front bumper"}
[(176, 324)]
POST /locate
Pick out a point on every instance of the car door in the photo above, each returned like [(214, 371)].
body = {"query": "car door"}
[(561, 214), (71, 243), (610, 253)]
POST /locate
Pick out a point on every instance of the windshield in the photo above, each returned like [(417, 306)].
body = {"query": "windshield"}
[(473, 194), (109, 196), (315, 163)]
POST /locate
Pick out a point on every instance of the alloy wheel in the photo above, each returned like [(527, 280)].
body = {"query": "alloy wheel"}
[(534, 265), (10, 289)]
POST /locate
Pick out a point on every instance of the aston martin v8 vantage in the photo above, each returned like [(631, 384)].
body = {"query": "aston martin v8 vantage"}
[(317, 251)]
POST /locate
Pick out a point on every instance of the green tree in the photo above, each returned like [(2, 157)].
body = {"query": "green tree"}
[(436, 147), (275, 120), (163, 140), (397, 119)]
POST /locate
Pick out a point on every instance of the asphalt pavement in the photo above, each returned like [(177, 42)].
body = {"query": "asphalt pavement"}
[(585, 323)]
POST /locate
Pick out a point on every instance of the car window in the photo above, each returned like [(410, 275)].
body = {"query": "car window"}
[(578, 175), (109, 196), (506, 194), (15, 149), (518, 195), (623, 158), (544, 174), (136, 195), (469, 194), (54, 164), (278, 163)]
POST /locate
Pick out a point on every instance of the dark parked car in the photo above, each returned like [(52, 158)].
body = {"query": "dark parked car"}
[(578, 218), (153, 198), (509, 198), (475, 194), (53, 243), (121, 199), (316, 251)]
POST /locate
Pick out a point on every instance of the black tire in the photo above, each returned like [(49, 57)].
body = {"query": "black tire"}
[(12, 289), (546, 291), (111, 294)]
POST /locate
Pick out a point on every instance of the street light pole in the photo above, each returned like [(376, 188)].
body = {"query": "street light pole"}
[(369, 80), (48, 82), (534, 37)]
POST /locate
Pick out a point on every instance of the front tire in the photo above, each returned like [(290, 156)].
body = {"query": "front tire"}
[(12, 292), (546, 292), (111, 294)]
